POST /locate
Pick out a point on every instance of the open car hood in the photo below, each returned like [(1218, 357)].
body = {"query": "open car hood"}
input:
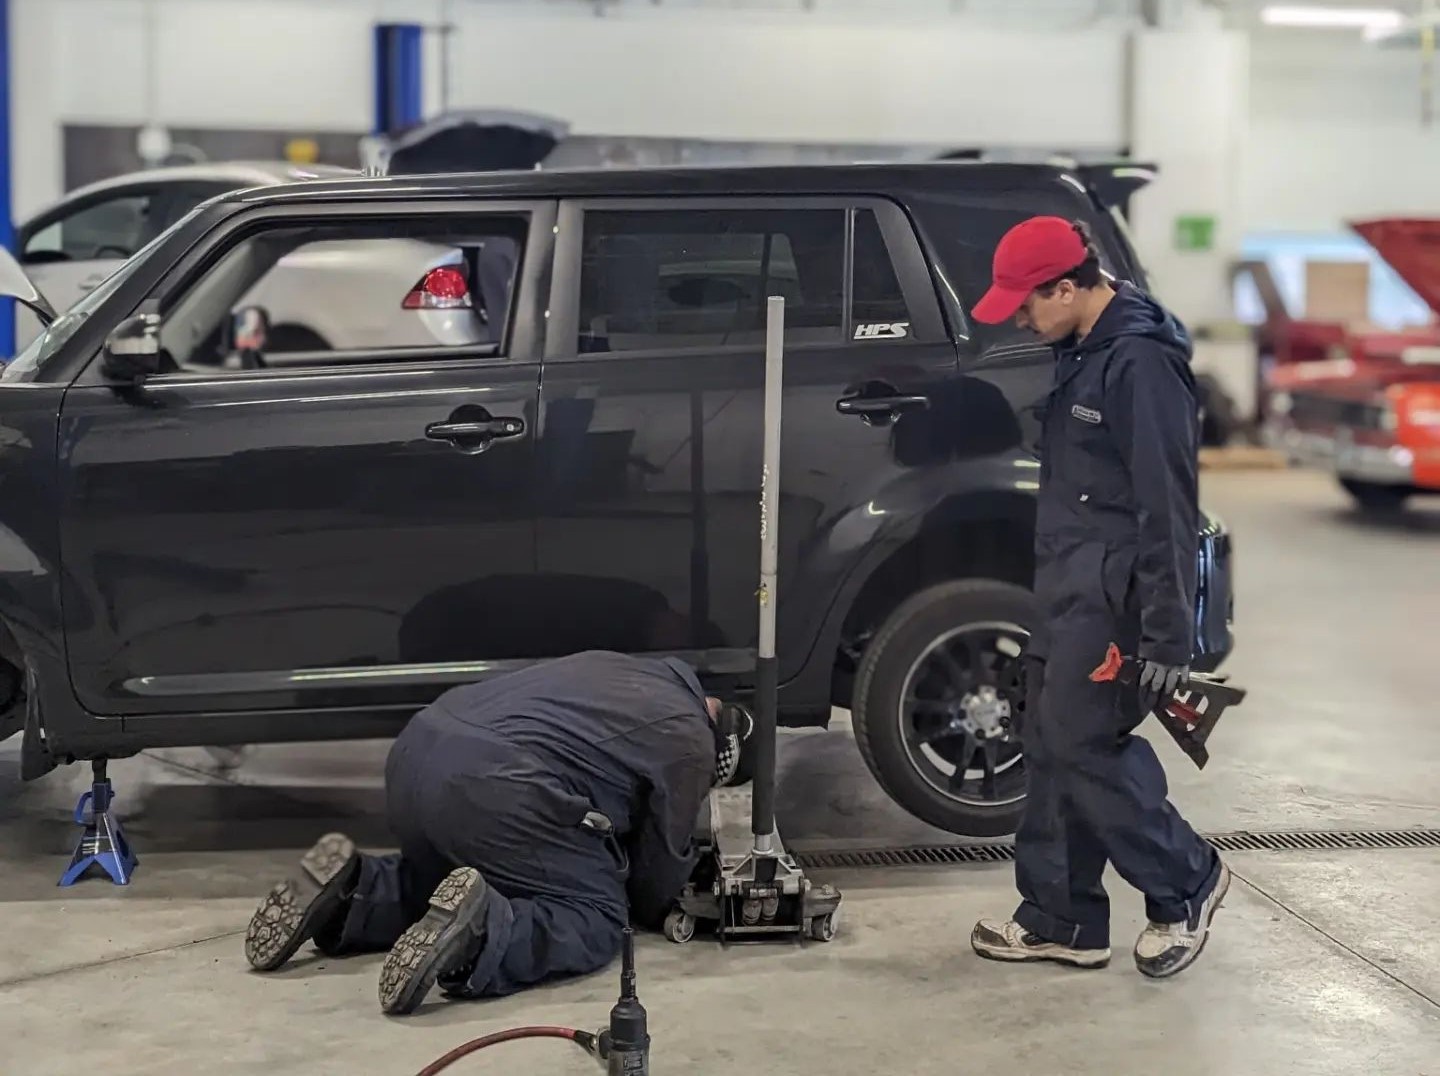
[(487, 141), (1412, 247)]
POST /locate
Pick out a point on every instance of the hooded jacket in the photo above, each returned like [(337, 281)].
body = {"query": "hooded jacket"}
[(1118, 513)]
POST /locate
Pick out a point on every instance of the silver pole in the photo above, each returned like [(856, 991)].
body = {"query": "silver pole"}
[(770, 476), (767, 678)]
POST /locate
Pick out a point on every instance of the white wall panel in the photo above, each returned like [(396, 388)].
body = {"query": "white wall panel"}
[(851, 76), (792, 77), (1335, 133), (36, 86), (253, 63), (1190, 113)]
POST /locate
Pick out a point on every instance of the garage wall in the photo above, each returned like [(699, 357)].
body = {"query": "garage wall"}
[(850, 73), (1335, 133), (789, 76)]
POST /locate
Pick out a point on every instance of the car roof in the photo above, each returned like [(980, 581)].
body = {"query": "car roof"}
[(668, 182), (243, 174)]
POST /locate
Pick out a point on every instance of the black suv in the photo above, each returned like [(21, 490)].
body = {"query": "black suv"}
[(213, 535)]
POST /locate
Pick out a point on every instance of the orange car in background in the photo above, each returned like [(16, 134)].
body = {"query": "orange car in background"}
[(1369, 412)]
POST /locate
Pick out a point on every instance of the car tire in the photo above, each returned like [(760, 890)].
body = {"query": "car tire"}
[(1375, 497), (928, 630)]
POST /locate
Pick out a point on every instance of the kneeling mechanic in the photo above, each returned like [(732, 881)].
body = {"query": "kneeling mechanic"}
[(536, 813)]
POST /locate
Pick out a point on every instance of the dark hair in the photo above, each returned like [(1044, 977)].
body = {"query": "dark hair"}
[(1087, 274)]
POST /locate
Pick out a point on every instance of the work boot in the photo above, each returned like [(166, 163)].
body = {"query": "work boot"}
[(1166, 949), (449, 938), (1011, 942), (314, 898)]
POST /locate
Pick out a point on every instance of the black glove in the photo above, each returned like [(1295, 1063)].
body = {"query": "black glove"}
[(1158, 682)]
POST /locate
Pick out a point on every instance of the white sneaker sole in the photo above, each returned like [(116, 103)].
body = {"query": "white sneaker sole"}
[(1087, 959), (1217, 900)]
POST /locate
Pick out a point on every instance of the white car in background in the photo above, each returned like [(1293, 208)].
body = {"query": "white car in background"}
[(392, 293)]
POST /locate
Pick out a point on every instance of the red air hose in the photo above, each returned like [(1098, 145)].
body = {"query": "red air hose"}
[(584, 1039)]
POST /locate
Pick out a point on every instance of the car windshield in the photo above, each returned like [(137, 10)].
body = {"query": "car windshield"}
[(54, 336)]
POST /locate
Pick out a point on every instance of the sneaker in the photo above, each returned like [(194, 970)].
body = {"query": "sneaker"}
[(310, 900), (449, 937), (1010, 941), (1166, 949)]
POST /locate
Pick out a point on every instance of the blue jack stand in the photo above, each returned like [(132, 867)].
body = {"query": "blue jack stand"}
[(103, 843)]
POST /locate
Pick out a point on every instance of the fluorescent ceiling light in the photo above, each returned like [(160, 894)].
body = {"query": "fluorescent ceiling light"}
[(1373, 20)]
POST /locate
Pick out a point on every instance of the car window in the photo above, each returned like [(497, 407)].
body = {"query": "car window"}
[(336, 293), (965, 232), (700, 278), (54, 336), (112, 228), (182, 198), (878, 299)]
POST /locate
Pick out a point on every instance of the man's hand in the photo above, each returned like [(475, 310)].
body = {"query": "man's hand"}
[(1158, 682)]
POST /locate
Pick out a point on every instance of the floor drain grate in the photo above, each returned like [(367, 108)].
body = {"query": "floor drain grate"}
[(945, 855), (1325, 840)]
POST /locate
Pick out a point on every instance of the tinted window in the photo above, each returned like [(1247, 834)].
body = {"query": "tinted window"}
[(335, 293), (877, 296), (184, 197), (114, 228), (965, 232), (700, 278)]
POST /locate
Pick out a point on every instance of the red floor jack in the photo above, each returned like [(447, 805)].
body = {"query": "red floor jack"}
[(748, 885)]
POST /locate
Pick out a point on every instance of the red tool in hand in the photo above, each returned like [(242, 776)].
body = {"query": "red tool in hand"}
[(1191, 714)]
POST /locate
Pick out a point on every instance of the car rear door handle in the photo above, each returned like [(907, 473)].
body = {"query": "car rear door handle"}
[(477, 434), (873, 406)]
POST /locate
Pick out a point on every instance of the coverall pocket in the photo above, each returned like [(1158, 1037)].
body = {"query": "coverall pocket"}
[(1069, 584), (1117, 579)]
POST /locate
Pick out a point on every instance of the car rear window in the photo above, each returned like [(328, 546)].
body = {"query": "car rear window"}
[(963, 229)]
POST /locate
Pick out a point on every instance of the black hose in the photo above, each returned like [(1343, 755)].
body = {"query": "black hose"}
[(584, 1039)]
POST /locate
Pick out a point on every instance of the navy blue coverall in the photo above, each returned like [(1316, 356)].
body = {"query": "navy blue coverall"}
[(500, 775), (1116, 539)]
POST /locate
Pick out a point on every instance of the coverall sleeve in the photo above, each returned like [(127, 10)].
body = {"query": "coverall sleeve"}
[(662, 854), (1152, 399)]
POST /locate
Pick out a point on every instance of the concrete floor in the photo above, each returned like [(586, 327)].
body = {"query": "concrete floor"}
[(1322, 963)]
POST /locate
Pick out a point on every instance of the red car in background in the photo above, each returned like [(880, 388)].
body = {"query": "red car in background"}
[(1368, 410)]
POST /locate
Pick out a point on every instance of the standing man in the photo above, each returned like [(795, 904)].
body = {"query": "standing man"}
[(537, 813), (1116, 535)]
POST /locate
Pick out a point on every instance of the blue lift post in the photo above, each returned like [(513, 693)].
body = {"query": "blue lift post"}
[(7, 223), (399, 76)]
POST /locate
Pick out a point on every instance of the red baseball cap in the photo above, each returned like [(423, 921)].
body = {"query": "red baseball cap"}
[(1032, 253)]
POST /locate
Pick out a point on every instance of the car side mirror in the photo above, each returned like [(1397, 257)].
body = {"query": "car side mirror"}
[(132, 350), (15, 284)]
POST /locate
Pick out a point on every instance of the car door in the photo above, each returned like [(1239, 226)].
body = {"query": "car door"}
[(300, 530), (651, 439), (69, 250)]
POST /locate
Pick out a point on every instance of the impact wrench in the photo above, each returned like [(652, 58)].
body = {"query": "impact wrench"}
[(623, 1047)]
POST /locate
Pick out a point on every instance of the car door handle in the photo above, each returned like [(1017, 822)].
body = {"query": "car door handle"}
[(476, 435), (881, 405)]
